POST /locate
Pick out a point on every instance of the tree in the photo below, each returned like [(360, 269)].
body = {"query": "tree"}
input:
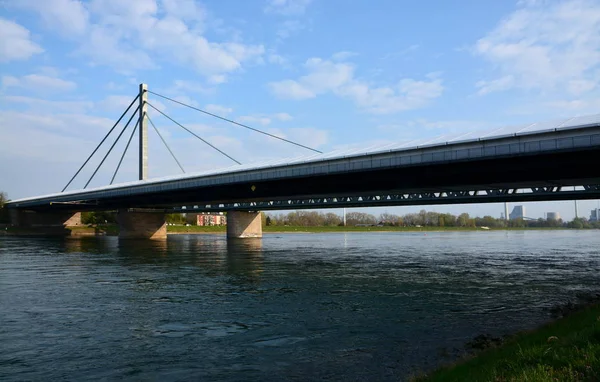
[(388, 219), (579, 223), (175, 218), (263, 218), (517, 223), (332, 219), (3, 199), (463, 220), (268, 221), (3, 211), (354, 218), (99, 217)]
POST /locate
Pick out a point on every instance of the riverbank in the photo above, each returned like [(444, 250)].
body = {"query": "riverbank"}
[(180, 229), (567, 349), (113, 230)]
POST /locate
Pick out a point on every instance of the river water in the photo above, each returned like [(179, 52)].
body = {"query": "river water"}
[(356, 306)]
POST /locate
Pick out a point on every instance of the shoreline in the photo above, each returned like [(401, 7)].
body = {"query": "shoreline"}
[(180, 230), (564, 348), (90, 231)]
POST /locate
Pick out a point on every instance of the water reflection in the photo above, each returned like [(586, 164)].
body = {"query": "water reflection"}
[(245, 258), (90, 244), (209, 254)]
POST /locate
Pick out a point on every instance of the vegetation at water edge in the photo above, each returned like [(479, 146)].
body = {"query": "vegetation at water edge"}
[(567, 349)]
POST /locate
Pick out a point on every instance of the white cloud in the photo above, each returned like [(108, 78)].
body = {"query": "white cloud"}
[(548, 46), (308, 136), (218, 109), (184, 9), (264, 119), (343, 56), (338, 78), (502, 83), (217, 79), (287, 7), (42, 104), (70, 17), (115, 103), (277, 59), (104, 46), (70, 124), (39, 83), (289, 28), (187, 86), (282, 117), (15, 42), (579, 106), (134, 35), (291, 89), (408, 94)]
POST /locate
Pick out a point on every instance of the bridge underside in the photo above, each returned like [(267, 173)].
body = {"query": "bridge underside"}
[(542, 177)]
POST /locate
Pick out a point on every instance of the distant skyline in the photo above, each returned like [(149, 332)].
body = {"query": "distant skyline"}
[(329, 74)]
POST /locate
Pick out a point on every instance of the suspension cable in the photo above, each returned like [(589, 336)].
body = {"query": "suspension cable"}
[(166, 145), (111, 147), (234, 122), (191, 132), (100, 144), (125, 151)]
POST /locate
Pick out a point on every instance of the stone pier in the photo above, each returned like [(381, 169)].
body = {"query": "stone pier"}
[(142, 224), (242, 225), (45, 223)]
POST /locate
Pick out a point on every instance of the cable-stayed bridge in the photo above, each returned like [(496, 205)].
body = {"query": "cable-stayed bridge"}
[(555, 160)]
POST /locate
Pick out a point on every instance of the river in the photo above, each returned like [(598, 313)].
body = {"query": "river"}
[(355, 306)]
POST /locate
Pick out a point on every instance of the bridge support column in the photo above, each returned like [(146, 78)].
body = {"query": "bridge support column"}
[(45, 223), (242, 225), (141, 224)]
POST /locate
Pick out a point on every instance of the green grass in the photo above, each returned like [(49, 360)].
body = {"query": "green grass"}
[(534, 356), (195, 229)]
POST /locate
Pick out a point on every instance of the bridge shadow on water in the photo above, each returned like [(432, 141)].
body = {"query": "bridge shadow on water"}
[(210, 254)]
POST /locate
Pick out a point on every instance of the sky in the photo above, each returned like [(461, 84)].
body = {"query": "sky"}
[(329, 74)]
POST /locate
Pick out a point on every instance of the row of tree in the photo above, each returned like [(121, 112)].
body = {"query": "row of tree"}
[(423, 218)]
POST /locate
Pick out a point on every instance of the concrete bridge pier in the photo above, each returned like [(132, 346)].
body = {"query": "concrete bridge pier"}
[(244, 225), (46, 223), (142, 224)]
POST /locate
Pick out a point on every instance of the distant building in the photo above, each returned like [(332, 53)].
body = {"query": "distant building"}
[(595, 215), (518, 212), (206, 219), (552, 215)]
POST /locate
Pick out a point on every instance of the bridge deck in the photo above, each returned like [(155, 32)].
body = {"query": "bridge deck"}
[(548, 154)]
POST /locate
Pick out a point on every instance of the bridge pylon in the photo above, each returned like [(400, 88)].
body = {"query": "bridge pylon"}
[(143, 133)]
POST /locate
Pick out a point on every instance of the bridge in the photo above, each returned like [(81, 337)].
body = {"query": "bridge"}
[(555, 160)]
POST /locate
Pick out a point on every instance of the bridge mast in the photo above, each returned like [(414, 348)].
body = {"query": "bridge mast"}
[(143, 128)]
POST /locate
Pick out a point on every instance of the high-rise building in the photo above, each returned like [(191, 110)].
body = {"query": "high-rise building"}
[(595, 215), (518, 212), (552, 215)]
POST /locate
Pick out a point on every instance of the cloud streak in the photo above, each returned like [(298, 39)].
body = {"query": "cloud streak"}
[(325, 76)]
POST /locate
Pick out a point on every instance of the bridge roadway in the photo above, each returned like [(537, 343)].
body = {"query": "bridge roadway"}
[(555, 160)]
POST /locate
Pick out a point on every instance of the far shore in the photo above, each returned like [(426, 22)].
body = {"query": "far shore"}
[(182, 230), (113, 230)]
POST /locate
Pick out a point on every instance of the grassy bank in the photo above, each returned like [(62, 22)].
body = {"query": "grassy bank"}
[(326, 229), (567, 349)]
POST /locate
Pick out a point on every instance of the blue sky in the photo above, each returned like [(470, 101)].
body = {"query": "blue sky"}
[(327, 73)]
